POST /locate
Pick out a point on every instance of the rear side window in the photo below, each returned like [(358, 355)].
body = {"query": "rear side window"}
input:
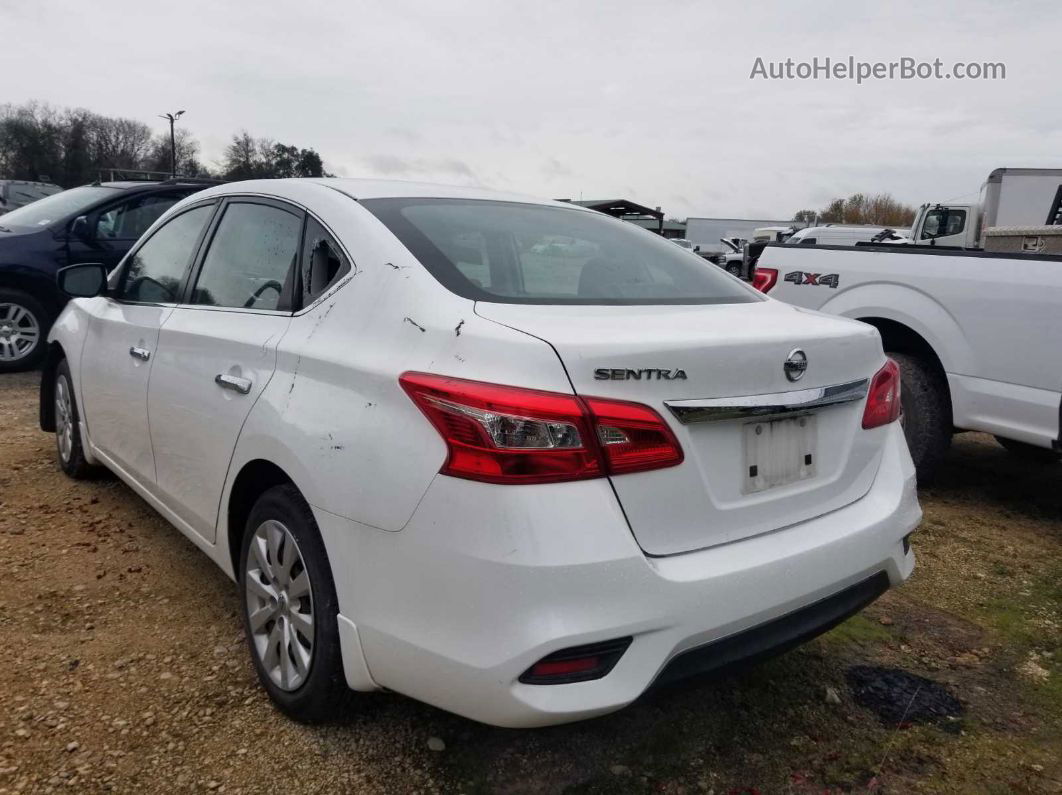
[(807, 241), (157, 269), (251, 260), (510, 252), (323, 263)]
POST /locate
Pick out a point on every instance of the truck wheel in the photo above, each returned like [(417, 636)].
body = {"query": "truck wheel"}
[(23, 331), (926, 414), (1030, 452), (734, 269)]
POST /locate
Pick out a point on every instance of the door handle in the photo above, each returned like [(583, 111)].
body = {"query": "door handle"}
[(140, 353), (235, 383)]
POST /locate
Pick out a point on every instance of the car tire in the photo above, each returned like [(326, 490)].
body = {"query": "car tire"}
[(1030, 452), (926, 414), (290, 608), (734, 270), (24, 325), (69, 450)]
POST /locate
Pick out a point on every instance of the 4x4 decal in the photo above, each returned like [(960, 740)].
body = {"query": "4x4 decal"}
[(816, 279)]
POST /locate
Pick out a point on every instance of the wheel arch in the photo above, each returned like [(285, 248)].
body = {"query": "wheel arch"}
[(897, 337), (913, 308), (251, 482), (34, 284)]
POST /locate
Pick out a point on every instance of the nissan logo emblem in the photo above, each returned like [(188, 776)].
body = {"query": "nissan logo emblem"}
[(795, 364)]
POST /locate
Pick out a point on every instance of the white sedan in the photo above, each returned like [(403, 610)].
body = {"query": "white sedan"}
[(521, 487)]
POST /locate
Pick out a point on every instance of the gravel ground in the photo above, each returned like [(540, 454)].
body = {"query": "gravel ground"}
[(128, 670)]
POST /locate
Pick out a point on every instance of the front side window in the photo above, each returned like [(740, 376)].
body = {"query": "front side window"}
[(129, 220), (323, 263), (510, 252), (157, 269), (251, 259), (943, 223)]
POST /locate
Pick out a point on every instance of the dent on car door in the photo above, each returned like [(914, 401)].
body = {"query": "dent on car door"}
[(217, 353), (121, 341)]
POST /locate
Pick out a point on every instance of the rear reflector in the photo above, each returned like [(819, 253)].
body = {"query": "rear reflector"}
[(504, 434), (577, 663), (763, 279), (883, 399)]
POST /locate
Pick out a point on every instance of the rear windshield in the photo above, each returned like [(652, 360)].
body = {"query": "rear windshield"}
[(57, 206), (508, 252)]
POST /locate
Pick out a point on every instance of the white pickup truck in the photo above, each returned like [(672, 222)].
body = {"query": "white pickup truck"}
[(978, 335)]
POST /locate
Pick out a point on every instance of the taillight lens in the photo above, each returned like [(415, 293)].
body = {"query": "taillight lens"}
[(763, 279), (633, 438), (883, 399), (504, 434)]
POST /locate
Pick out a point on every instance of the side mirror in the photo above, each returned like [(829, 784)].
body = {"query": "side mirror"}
[(82, 281), (696, 248), (80, 227)]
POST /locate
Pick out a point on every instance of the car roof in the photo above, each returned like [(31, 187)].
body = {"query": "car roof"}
[(359, 189), (132, 184)]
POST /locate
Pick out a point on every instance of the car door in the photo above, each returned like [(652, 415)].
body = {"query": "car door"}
[(122, 336), (217, 352), (108, 232)]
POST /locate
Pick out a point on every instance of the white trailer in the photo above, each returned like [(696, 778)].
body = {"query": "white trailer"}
[(1009, 197)]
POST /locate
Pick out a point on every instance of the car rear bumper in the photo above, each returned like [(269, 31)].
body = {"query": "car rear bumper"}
[(486, 580)]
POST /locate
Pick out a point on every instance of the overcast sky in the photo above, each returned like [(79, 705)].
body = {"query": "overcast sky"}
[(646, 100)]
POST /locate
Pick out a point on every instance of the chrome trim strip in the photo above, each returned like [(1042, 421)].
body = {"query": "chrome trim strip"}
[(775, 405)]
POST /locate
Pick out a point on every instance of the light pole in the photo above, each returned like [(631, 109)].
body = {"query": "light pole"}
[(173, 141)]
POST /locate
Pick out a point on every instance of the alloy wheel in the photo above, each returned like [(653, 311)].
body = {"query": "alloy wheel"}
[(19, 332), (279, 605), (64, 418)]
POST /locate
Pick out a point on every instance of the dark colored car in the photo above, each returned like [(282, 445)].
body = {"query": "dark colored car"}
[(93, 223)]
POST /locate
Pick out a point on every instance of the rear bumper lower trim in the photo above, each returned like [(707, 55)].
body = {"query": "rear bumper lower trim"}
[(772, 405), (777, 636)]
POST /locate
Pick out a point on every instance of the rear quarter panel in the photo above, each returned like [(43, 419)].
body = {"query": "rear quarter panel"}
[(334, 416)]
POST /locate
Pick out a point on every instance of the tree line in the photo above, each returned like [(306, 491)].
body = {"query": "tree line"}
[(74, 146), (879, 210)]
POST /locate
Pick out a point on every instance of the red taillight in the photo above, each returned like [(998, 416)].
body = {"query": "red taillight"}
[(883, 399), (633, 438), (504, 434), (763, 279)]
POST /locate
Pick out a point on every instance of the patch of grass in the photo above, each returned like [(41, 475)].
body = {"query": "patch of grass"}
[(859, 629), (1028, 619)]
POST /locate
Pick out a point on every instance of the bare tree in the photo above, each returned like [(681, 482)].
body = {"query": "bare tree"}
[(261, 158), (188, 165), (880, 210), (71, 147)]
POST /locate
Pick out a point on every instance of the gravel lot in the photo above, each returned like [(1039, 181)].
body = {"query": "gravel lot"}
[(128, 670)]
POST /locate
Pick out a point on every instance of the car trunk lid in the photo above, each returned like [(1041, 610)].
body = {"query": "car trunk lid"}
[(743, 474)]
